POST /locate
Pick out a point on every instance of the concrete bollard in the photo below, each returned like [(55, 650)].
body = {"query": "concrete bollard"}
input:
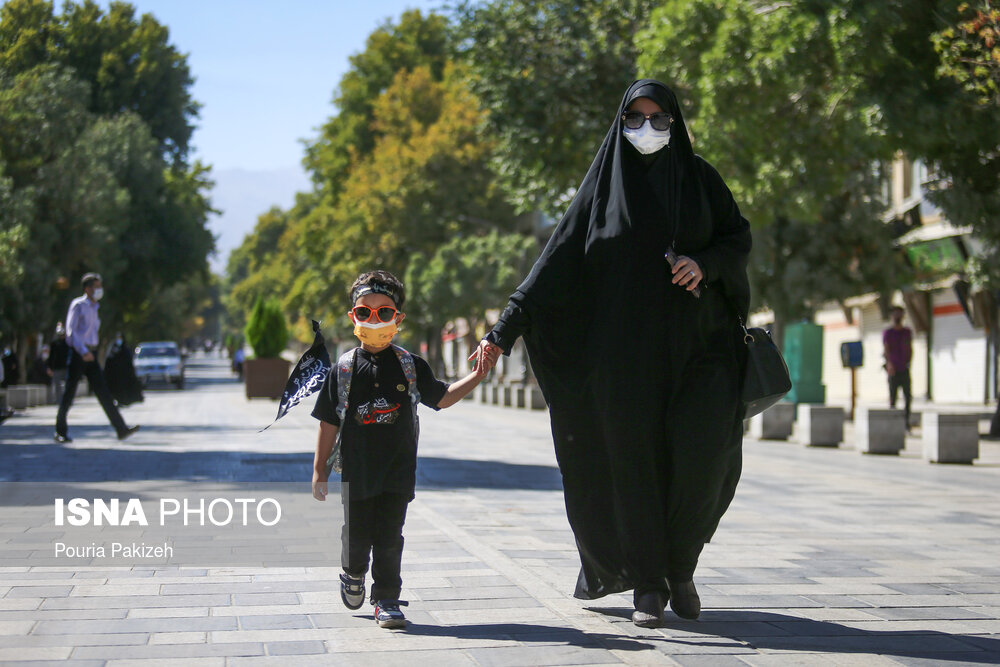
[(507, 395), (19, 396), (519, 392), (3, 400), (39, 394), (950, 437), (880, 430), (494, 395), (820, 425), (775, 423), (534, 399), (482, 392)]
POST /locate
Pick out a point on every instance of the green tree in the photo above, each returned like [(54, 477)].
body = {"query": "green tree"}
[(551, 74), (771, 105), (970, 51), (266, 330), (128, 63), (415, 41)]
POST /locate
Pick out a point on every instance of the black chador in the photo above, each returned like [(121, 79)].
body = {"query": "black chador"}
[(641, 376)]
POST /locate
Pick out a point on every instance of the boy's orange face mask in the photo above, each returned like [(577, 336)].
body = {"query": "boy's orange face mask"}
[(375, 326)]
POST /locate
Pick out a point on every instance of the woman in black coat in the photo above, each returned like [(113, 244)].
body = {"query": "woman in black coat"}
[(639, 356)]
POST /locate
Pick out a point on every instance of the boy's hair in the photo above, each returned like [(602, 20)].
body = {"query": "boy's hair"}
[(380, 282)]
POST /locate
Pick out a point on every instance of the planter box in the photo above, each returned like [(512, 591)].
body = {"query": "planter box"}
[(950, 438), (820, 426), (265, 378), (880, 430)]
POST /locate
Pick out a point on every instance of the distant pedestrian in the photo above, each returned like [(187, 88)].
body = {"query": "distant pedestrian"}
[(11, 368), (82, 324), (897, 342), (58, 362), (239, 356), (374, 417), (119, 373)]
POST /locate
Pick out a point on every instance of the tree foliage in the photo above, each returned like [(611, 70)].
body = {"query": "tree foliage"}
[(550, 74), (266, 330), (771, 104), (95, 118)]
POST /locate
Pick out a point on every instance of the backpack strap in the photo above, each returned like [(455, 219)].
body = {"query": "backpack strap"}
[(410, 372), (345, 370)]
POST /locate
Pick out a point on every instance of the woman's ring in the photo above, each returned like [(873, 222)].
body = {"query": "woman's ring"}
[(691, 272)]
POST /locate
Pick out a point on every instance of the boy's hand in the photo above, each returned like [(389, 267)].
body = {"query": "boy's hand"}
[(319, 486), (486, 356)]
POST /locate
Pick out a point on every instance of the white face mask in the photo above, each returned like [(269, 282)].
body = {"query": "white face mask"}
[(647, 140), (98, 293)]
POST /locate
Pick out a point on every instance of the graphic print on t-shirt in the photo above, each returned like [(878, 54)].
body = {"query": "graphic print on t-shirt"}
[(379, 411)]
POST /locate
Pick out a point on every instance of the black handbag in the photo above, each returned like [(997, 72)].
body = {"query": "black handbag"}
[(765, 379)]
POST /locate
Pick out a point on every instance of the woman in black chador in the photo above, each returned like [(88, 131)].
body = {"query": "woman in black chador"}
[(639, 355)]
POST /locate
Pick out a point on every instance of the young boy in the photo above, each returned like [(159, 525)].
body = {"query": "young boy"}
[(378, 438)]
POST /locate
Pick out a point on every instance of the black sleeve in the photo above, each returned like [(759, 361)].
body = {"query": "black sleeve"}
[(326, 402), (431, 389)]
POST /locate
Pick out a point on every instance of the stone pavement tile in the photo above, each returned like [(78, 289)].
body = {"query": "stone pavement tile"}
[(675, 646), (674, 627), (22, 604), (136, 625), (809, 590), (90, 639), (329, 607), (420, 658), (808, 659), (478, 581), (52, 591), (180, 652), (55, 614), (881, 643), (991, 644), (832, 614), (15, 627), (247, 587), (168, 662), (972, 587), (105, 590), (471, 593), (917, 613), (537, 656), (953, 600), (178, 638), (36, 653), (954, 660), (479, 603), (295, 648), (8, 574), (169, 612), (275, 622), (834, 601), (509, 615), (929, 589), (135, 601), (709, 661), (54, 663), (756, 601), (270, 598)]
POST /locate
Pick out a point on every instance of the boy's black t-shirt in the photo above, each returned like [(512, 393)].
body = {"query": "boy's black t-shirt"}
[(378, 443)]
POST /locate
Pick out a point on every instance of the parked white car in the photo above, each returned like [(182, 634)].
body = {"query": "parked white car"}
[(159, 360)]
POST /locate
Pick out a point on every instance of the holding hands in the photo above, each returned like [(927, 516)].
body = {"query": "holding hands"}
[(486, 356)]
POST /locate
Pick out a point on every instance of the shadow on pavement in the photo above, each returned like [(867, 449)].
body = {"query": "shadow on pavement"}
[(775, 631), (529, 632), (442, 473), (36, 458)]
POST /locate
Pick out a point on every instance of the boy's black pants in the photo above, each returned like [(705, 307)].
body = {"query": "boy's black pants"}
[(375, 526)]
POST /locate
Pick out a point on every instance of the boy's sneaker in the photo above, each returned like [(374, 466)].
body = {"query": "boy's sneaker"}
[(352, 590), (388, 615)]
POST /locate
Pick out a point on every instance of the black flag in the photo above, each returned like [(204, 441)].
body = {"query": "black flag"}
[(307, 377)]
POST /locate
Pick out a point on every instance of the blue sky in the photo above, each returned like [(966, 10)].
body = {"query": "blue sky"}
[(265, 73)]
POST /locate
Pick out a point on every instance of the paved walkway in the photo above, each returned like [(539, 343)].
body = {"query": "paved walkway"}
[(826, 557)]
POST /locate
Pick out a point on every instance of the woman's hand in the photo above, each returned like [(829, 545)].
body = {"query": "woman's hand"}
[(486, 356), (687, 273)]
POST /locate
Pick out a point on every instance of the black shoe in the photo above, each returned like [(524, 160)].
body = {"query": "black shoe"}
[(62, 438), (127, 432), (649, 608), (684, 599), (388, 615), (352, 590)]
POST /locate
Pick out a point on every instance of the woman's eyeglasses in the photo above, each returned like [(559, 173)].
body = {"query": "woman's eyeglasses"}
[(660, 120), (382, 313)]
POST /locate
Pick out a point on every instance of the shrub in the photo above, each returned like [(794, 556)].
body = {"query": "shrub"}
[(266, 329)]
